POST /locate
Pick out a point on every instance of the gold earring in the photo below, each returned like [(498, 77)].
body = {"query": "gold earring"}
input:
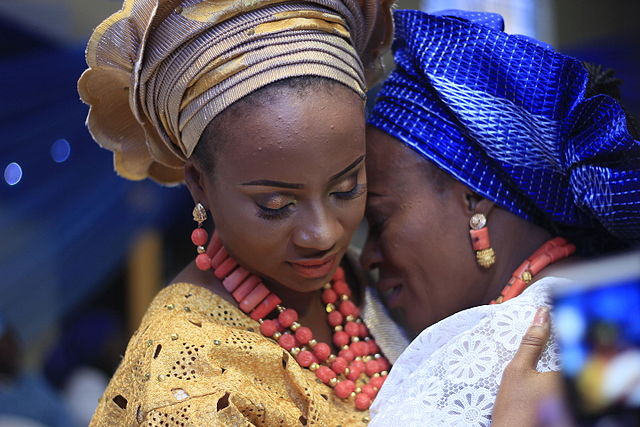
[(199, 214), (485, 255)]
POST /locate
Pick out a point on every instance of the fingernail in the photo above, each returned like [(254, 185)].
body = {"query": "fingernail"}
[(541, 317)]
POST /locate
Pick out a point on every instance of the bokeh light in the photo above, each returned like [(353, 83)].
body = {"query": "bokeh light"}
[(60, 150), (569, 324), (12, 173)]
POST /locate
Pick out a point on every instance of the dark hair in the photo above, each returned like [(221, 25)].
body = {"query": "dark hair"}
[(210, 142)]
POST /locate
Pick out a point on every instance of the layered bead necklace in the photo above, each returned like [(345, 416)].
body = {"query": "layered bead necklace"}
[(357, 371), (552, 251)]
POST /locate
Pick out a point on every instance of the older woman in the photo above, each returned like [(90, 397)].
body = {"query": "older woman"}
[(489, 157)]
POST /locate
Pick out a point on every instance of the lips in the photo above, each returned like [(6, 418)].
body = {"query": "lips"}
[(314, 268), (390, 291)]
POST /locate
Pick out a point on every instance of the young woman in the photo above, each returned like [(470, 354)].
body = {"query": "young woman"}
[(258, 107)]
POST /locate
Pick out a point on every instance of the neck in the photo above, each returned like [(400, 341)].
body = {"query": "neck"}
[(510, 251), (302, 302), (309, 307)]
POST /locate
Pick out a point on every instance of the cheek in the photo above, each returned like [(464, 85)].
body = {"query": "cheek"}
[(351, 216), (252, 240)]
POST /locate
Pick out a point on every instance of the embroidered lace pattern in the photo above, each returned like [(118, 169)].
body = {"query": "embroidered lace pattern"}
[(450, 374), (197, 360)]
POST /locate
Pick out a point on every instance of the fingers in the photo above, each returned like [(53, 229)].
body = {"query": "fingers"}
[(533, 341)]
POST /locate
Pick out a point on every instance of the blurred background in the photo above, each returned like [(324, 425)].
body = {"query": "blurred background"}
[(82, 252)]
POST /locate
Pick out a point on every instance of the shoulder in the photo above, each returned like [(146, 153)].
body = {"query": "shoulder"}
[(195, 352)]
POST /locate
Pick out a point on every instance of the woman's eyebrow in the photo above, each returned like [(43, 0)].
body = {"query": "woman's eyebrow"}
[(347, 169), (271, 183), (281, 184)]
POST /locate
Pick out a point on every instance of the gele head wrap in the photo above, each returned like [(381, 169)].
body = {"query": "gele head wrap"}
[(511, 119), (161, 70)]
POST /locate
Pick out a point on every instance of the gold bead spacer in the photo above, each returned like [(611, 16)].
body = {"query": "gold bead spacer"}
[(358, 390), (353, 394), (295, 351), (350, 318), (338, 328), (333, 382), (344, 347), (358, 358), (314, 367), (527, 277), (486, 257), (280, 308), (346, 371), (330, 307), (327, 286), (384, 373), (376, 375), (294, 326), (332, 358), (277, 335), (201, 249), (344, 297), (355, 339), (312, 343), (367, 359)]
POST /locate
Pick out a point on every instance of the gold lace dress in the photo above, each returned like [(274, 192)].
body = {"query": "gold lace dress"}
[(197, 360)]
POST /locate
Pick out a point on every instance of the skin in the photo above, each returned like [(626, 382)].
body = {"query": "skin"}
[(288, 185), (419, 237)]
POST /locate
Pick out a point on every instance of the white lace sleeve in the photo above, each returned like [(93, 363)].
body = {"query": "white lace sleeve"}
[(450, 374)]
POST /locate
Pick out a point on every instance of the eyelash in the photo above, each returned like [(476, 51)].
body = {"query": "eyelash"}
[(274, 214), (356, 191), (283, 212)]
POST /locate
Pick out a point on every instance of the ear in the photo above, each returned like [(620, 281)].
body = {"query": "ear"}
[(194, 179), (471, 202)]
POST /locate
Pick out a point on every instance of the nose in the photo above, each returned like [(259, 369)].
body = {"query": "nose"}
[(318, 231), (371, 256)]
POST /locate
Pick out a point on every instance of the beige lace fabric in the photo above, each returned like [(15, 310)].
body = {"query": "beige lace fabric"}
[(161, 70), (197, 360)]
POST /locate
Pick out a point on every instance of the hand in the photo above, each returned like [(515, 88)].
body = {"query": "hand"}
[(522, 388)]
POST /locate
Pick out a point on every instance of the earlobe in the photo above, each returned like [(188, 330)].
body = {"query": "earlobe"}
[(193, 180), (474, 203)]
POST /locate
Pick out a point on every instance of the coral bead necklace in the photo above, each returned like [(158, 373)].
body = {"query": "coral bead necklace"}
[(357, 371), (552, 251)]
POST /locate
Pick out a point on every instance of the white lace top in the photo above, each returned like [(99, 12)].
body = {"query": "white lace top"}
[(450, 374)]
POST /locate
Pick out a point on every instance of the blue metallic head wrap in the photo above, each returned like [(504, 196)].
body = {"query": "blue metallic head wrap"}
[(510, 118)]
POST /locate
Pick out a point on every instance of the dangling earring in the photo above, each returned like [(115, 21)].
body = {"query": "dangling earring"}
[(485, 256), (199, 237)]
